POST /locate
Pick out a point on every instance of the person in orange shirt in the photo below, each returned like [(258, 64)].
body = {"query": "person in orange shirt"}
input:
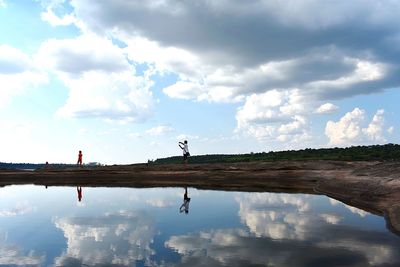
[(79, 158)]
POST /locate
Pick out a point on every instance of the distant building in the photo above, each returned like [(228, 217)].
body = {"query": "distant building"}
[(93, 164)]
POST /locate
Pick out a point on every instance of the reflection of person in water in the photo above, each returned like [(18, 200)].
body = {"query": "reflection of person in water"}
[(79, 189), (185, 205)]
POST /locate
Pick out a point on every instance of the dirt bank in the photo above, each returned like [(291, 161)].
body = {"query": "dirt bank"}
[(372, 186)]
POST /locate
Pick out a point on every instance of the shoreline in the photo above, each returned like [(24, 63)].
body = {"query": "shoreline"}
[(371, 186)]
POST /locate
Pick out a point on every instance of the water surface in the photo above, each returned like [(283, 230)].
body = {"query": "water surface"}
[(69, 226)]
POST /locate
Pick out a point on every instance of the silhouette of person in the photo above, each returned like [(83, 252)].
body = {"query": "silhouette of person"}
[(185, 150), (79, 190), (80, 155), (185, 206)]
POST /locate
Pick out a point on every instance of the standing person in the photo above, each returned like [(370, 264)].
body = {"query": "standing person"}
[(80, 155), (185, 149)]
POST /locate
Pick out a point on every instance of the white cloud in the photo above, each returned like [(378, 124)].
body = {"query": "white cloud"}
[(13, 61), (272, 115), (18, 73), (160, 130), (117, 96), (221, 67), (15, 141), (349, 129), (183, 90), (50, 17), (213, 64), (134, 135), (327, 108), (269, 107), (3, 4), (154, 143), (187, 137), (390, 130), (85, 53), (100, 80), (375, 129), (293, 127), (279, 80)]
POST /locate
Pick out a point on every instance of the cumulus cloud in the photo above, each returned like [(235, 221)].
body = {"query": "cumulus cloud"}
[(327, 108), (18, 72), (281, 60), (85, 53), (50, 16), (351, 128), (100, 80), (245, 54), (347, 129), (272, 115), (375, 129)]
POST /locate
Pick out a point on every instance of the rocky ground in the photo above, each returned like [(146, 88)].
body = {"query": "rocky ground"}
[(372, 186)]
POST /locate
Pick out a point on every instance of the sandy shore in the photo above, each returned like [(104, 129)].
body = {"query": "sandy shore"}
[(371, 186)]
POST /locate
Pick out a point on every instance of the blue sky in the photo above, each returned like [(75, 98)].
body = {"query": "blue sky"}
[(124, 81)]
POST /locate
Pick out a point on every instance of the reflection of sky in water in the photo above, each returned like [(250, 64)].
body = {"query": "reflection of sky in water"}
[(143, 227)]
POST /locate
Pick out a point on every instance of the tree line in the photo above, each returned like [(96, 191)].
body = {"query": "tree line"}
[(353, 153), (32, 166)]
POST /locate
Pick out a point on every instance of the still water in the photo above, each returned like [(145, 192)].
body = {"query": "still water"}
[(68, 226)]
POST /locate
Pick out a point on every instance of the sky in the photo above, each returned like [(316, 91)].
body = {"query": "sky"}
[(125, 81)]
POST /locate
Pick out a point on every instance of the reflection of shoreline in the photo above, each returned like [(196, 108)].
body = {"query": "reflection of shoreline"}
[(371, 186)]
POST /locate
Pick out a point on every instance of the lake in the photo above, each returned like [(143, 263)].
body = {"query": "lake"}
[(73, 226)]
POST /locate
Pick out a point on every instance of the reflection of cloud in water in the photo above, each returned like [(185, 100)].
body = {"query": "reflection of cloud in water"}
[(20, 208), (279, 216), (112, 239), (331, 218), (160, 203), (14, 256), (331, 246), (354, 210)]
